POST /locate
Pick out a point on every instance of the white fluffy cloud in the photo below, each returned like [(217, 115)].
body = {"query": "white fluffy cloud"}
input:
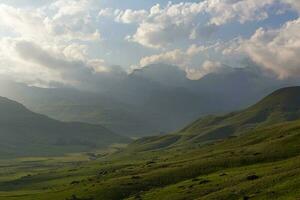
[(207, 67), (65, 8), (72, 20), (222, 11), (48, 43), (162, 26), (185, 60), (277, 50), (127, 16), (175, 57), (131, 16), (25, 24), (67, 23), (76, 51)]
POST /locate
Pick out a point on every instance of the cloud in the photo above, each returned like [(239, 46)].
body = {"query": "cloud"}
[(23, 23), (54, 43), (162, 26), (294, 3), (108, 12), (174, 57), (276, 50), (71, 72), (37, 24), (15, 67), (72, 19), (131, 16), (49, 43), (28, 62), (65, 8), (127, 16), (76, 51), (185, 60), (207, 67), (222, 11)]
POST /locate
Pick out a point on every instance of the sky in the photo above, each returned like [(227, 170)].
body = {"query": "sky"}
[(50, 43)]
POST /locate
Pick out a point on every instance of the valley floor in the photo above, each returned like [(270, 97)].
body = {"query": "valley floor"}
[(52, 179), (263, 164)]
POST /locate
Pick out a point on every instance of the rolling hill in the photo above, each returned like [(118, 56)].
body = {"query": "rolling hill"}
[(25, 133), (262, 163), (280, 106)]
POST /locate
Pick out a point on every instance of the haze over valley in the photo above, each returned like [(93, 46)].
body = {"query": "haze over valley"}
[(143, 102)]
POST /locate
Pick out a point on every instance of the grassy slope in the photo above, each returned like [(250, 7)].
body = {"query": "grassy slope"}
[(26, 133), (215, 171), (181, 166), (280, 106)]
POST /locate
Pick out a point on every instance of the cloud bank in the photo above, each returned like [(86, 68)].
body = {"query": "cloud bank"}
[(162, 26), (64, 42)]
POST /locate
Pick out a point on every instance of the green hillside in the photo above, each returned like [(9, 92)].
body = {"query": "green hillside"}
[(280, 106), (261, 163), (24, 133)]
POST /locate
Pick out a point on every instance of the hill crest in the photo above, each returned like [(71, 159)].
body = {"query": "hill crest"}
[(25, 133), (283, 105)]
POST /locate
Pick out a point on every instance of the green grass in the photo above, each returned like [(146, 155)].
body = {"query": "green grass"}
[(212, 171), (277, 180), (261, 160)]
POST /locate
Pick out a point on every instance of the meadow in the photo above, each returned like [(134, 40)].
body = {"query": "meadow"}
[(261, 164)]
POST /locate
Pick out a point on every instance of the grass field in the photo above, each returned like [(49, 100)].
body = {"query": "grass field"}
[(262, 164)]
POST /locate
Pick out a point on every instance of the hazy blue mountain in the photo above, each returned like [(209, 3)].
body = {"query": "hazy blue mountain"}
[(25, 133), (155, 99)]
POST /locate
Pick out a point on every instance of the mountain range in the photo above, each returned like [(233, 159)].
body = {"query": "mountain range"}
[(152, 100)]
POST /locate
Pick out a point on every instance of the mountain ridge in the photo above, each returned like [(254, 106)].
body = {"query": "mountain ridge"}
[(283, 105), (24, 132), (140, 104)]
